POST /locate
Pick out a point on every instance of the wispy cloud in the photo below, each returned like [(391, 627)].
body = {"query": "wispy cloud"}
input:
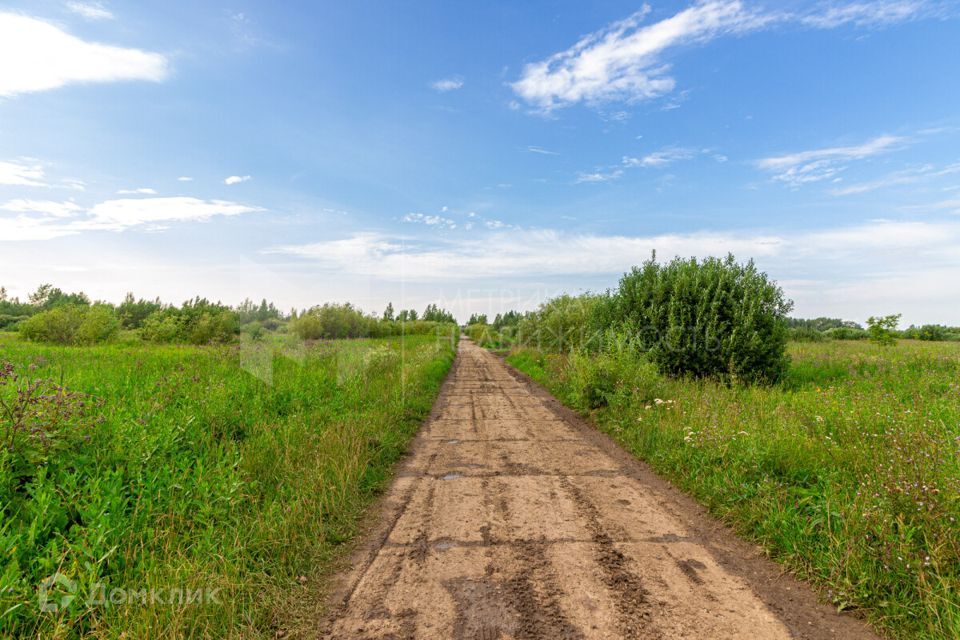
[(541, 151), (660, 158), (39, 56), (43, 220), (624, 61), (141, 191), (815, 165), (447, 84), (185, 179), (232, 180), (50, 208), (906, 176), (22, 173), (538, 253), (90, 10), (430, 221), (599, 176)]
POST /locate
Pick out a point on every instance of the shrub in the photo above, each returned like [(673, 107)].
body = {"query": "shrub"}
[(710, 318), (881, 329), (565, 323), (928, 332), (72, 325), (197, 322), (845, 333), (806, 334)]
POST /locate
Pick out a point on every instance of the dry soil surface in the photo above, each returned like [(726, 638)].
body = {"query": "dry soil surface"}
[(512, 518)]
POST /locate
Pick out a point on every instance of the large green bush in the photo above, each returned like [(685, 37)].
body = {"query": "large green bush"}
[(72, 324), (565, 323), (198, 321), (713, 317)]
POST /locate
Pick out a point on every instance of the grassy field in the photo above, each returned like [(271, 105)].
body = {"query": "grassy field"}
[(180, 496), (848, 472)]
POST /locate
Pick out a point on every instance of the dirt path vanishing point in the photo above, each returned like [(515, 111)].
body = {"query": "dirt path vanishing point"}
[(512, 518)]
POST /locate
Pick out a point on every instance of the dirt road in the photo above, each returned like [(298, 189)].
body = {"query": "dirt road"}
[(513, 519)]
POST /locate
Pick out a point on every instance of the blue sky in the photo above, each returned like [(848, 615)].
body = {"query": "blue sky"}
[(482, 155)]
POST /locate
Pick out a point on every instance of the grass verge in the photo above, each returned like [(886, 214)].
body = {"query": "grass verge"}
[(848, 472), (177, 495)]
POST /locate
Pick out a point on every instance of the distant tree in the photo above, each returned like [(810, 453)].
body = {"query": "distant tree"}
[(508, 319), (132, 312), (477, 318), (47, 297), (436, 314), (882, 329), (407, 315), (388, 312)]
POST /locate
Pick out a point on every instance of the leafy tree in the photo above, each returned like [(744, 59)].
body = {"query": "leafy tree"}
[(132, 312), (388, 312), (477, 318), (433, 313), (882, 329), (508, 319), (47, 297), (705, 318)]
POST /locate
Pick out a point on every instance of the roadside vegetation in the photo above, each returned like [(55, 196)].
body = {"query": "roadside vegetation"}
[(838, 451), (167, 477)]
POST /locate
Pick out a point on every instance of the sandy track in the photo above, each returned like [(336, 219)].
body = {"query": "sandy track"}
[(513, 519)]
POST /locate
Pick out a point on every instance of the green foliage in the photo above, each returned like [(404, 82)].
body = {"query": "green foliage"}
[(198, 321), (846, 471), (806, 334), (133, 313), (477, 318), (931, 333), (47, 297), (433, 313), (71, 324), (188, 472), (821, 324), (249, 312), (705, 318), (845, 333), (508, 319), (882, 329), (564, 323)]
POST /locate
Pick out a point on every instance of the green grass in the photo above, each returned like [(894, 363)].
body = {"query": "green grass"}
[(848, 472), (184, 471)]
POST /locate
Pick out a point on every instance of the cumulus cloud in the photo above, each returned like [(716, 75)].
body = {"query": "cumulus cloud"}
[(815, 165), (90, 10), (38, 56), (447, 84), (231, 180), (625, 60)]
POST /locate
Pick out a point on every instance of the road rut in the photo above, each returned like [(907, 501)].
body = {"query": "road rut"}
[(511, 518)]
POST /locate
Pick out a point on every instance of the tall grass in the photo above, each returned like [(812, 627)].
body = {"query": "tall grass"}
[(848, 471), (195, 475)]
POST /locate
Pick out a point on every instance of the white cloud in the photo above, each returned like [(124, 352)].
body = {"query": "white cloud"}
[(185, 179), (90, 10), (51, 208), (624, 61), (130, 212), (235, 180), (599, 176), (38, 56), (447, 84), (21, 175), (906, 176), (141, 191), (815, 165), (660, 158), (43, 220), (867, 14), (430, 221), (541, 151)]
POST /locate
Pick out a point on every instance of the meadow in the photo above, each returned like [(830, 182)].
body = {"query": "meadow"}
[(194, 491), (847, 470)]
